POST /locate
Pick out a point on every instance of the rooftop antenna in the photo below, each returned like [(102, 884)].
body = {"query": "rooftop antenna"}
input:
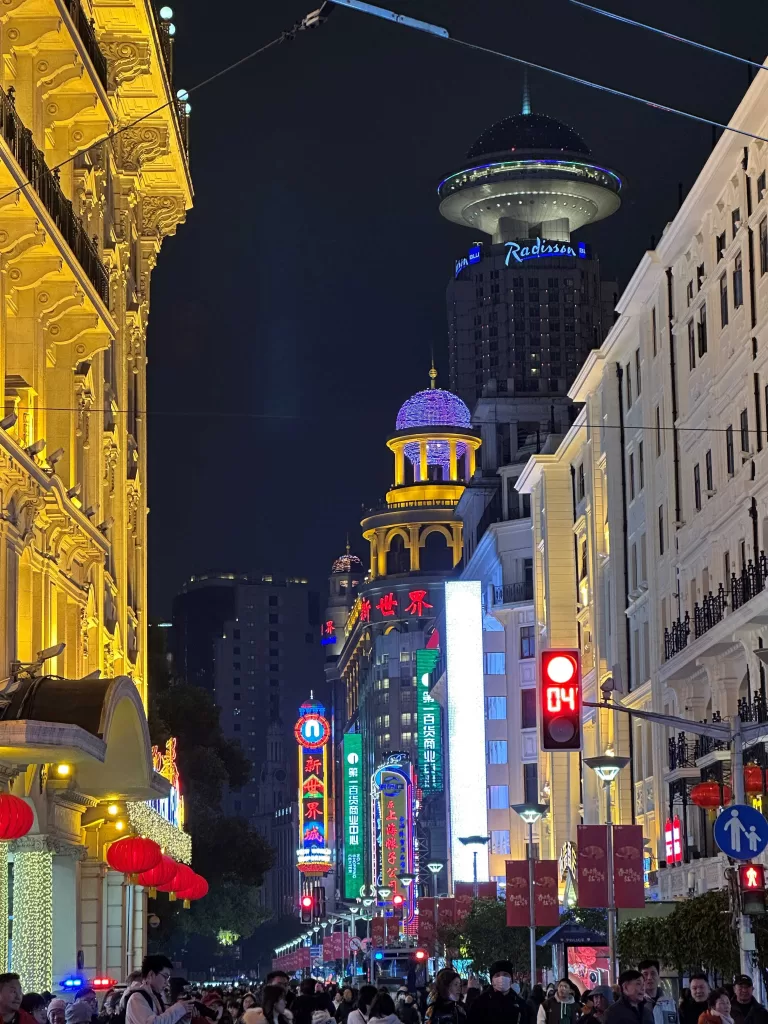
[(347, 541), (432, 372), (526, 94)]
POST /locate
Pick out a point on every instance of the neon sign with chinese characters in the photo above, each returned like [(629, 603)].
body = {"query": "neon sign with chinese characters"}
[(354, 816), (429, 726), (392, 797), (534, 249), (328, 633), (312, 732), (164, 763)]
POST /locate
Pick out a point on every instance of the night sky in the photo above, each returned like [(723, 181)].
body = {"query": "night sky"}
[(296, 309)]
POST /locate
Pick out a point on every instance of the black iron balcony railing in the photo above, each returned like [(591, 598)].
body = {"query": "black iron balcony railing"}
[(709, 612), (383, 506), (750, 581), (511, 593), (682, 752), (676, 637), (45, 183), (85, 30)]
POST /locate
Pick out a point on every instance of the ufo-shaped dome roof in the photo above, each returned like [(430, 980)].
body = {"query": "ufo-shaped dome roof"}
[(433, 408), (528, 132), (348, 563)]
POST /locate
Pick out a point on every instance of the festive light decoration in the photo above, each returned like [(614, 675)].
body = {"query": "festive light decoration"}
[(134, 855), (348, 563), (162, 874), (4, 902), (709, 794), (196, 891), (433, 408), (32, 949), (183, 879), (466, 724), (16, 817), (147, 822), (438, 452)]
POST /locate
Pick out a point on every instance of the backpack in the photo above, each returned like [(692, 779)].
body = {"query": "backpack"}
[(119, 1017)]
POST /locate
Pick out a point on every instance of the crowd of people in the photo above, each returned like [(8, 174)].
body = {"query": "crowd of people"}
[(154, 996)]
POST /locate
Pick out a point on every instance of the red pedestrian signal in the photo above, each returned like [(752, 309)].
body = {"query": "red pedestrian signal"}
[(560, 700), (397, 900), (420, 955), (752, 888), (307, 905)]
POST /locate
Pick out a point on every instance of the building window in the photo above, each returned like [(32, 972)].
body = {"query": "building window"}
[(527, 642), (629, 385), (658, 431), (689, 293), (735, 221), (631, 476), (654, 340), (701, 329), (763, 245), (406, 719), (661, 529), (531, 783), (641, 465), (406, 738), (697, 487), (691, 346), (638, 373), (495, 708), (498, 798), (528, 709), (273, 600), (699, 276), (580, 484), (744, 430), (500, 841), (730, 460), (497, 751), (720, 246), (494, 663), (274, 637), (738, 285), (723, 300), (708, 472)]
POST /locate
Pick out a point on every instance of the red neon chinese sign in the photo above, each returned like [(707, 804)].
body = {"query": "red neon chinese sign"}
[(418, 602)]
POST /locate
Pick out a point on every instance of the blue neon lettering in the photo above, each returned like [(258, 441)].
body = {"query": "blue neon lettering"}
[(537, 249)]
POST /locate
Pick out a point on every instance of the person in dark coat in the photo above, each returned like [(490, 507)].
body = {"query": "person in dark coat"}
[(694, 1002), (499, 1003), (561, 1008), (445, 1006), (597, 1000), (631, 1007), (346, 1006), (745, 1009)]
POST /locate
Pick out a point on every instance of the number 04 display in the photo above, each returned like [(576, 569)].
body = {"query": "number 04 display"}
[(560, 700)]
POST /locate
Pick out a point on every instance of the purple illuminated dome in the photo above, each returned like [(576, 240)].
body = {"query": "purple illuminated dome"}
[(348, 563), (432, 408)]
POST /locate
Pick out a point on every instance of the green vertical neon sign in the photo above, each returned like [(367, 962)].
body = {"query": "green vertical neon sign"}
[(429, 714), (354, 815)]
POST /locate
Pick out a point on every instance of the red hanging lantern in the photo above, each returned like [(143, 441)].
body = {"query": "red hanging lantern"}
[(183, 879), (160, 875), (134, 855), (196, 891), (753, 778), (710, 794), (16, 817)]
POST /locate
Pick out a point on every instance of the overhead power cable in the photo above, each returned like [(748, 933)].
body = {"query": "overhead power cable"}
[(669, 35)]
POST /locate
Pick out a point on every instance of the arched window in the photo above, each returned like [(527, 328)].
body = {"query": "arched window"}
[(398, 556), (436, 554)]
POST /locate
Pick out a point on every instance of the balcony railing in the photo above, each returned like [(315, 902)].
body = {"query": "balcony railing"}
[(383, 506), (750, 582), (682, 752), (85, 30), (45, 183), (511, 593)]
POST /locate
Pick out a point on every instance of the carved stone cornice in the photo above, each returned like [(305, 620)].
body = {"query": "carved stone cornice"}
[(140, 145), (161, 214), (48, 844), (127, 59)]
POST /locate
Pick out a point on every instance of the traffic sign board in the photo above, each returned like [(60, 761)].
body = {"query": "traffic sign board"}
[(741, 832)]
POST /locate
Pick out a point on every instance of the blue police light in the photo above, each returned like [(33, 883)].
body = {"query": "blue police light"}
[(72, 982), (378, 956)]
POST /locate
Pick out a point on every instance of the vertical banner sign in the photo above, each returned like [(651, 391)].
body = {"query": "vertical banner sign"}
[(394, 848), (546, 903), (378, 932), (518, 894), (628, 886), (429, 770), (312, 733), (354, 818), (485, 890), (593, 865), (446, 909), (427, 934), (393, 929)]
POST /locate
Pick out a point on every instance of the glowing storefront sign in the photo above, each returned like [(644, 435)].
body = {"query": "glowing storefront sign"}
[(429, 769), (392, 796), (534, 249), (466, 725), (312, 732), (171, 807), (354, 817)]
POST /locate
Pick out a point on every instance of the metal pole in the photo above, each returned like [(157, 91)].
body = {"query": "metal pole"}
[(368, 943), (531, 904), (434, 907), (342, 947), (611, 895), (737, 781), (474, 874)]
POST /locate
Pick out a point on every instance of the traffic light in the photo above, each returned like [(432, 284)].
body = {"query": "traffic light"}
[(307, 905), (560, 700), (420, 955), (318, 894), (752, 888), (397, 904)]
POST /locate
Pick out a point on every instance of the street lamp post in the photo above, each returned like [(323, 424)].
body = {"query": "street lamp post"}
[(435, 867), (474, 841), (607, 767), (368, 905), (407, 880), (531, 813)]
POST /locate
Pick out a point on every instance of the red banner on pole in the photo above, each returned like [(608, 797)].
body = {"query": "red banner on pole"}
[(427, 932), (518, 894), (393, 929), (628, 887), (485, 890), (379, 932), (546, 901), (592, 865), (445, 911)]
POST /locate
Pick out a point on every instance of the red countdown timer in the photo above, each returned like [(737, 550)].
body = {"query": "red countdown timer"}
[(560, 700)]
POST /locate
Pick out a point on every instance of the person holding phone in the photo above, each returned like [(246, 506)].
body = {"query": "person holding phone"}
[(145, 1004)]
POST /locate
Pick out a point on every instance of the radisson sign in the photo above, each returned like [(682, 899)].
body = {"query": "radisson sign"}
[(532, 249)]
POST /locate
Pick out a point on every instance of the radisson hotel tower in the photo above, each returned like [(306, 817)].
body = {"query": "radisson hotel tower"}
[(526, 303)]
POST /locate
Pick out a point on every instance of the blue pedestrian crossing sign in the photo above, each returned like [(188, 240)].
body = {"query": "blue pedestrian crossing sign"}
[(741, 832)]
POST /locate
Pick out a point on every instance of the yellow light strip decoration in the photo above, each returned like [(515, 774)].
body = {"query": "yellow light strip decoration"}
[(32, 948), (151, 825), (4, 906)]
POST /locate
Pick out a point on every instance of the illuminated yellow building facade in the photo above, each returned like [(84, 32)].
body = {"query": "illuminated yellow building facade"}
[(93, 176)]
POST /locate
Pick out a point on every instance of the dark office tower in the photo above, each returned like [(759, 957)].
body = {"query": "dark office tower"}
[(526, 304), (254, 641)]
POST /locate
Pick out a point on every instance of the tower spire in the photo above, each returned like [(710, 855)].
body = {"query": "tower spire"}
[(347, 541), (526, 94), (432, 373)]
